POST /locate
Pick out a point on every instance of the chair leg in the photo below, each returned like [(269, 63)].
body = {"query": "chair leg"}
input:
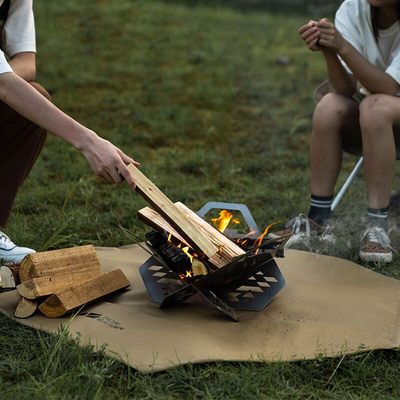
[(346, 184)]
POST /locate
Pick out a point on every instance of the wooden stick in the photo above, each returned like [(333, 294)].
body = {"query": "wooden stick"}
[(66, 300), (169, 211), (46, 285), (53, 262), (25, 308)]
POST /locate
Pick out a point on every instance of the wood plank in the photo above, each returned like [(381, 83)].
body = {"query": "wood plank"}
[(85, 292), (56, 261), (228, 251), (218, 238), (25, 308), (47, 285), (156, 221), (153, 195)]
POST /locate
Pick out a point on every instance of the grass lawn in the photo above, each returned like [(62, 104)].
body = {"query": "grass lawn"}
[(199, 97)]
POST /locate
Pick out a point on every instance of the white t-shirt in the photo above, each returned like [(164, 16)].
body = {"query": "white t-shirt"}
[(17, 32), (353, 20)]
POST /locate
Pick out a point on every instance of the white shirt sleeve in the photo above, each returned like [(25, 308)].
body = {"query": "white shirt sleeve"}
[(4, 65), (345, 24), (394, 67), (19, 28)]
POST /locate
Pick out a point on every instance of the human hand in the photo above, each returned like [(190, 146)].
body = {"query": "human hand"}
[(310, 34), (108, 161), (330, 37)]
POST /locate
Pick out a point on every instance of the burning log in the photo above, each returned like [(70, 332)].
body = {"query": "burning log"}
[(82, 293), (49, 263), (228, 250), (25, 308), (175, 257)]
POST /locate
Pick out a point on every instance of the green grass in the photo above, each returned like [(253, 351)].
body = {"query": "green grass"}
[(196, 91)]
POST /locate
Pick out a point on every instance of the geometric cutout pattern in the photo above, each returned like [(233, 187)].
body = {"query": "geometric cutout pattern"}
[(250, 293), (155, 268), (257, 290)]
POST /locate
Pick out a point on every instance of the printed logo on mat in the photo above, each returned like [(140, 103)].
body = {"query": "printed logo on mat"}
[(111, 323)]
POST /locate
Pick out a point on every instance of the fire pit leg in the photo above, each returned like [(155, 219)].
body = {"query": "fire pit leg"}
[(178, 296), (184, 293)]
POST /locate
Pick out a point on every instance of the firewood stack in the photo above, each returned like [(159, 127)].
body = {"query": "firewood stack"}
[(59, 281)]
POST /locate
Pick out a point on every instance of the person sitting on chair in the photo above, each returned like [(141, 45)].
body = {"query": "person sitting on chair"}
[(26, 113), (363, 46)]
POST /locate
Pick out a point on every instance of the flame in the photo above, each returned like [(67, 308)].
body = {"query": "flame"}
[(224, 219), (186, 250), (169, 237), (258, 241), (188, 275)]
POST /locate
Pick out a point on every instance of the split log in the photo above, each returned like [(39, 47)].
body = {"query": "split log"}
[(9, 276), (153, 195), (47, 263), (228, 251), (25, 308), (155, 220), (85, 292), (47, 285)]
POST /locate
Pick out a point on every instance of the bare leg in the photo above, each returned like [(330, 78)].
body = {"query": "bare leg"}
[(378, 115), (335, 116)]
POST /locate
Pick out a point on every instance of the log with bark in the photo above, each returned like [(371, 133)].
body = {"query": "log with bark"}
[(48, 263), (25, 308)]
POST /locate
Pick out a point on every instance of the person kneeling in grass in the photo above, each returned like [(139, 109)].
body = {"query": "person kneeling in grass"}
[(363, 46), (26, 113)]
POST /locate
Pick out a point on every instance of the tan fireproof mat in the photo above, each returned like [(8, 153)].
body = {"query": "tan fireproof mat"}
[(329, 306)]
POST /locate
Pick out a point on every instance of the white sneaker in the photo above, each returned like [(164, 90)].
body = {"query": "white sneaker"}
[(11, 253), (375, 246)]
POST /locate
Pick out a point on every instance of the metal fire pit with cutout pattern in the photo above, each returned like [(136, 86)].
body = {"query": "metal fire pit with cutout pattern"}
[(249, 283)]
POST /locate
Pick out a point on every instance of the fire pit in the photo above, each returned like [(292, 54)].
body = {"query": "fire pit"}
[(175, 272)]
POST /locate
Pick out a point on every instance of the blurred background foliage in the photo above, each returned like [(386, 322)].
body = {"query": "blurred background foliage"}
[(311, 7)]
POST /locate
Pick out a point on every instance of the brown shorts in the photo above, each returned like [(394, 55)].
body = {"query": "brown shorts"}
[(20, 144)]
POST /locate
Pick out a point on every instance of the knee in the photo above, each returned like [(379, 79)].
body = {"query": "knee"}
[(41, 90), (332, 109), (375, 113)]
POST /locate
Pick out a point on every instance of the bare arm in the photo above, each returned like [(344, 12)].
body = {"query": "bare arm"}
[(341, 81), (371, 77), (105, 159), (24, 65)]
